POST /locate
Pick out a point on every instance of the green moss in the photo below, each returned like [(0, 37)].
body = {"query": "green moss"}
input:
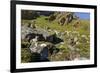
[(25, 55)]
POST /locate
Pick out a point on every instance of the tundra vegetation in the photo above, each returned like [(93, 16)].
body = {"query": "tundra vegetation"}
[(54, 36)]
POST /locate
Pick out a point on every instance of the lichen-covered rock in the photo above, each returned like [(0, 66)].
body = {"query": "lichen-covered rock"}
[(63, 17)]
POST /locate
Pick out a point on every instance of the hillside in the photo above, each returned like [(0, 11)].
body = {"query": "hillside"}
[(64, 35)]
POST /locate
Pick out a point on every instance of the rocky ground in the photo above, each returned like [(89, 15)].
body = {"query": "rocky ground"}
[(56, 37)]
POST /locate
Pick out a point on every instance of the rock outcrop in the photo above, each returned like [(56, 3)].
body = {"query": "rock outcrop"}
[(29, 14), (63, 17), (41, 42)]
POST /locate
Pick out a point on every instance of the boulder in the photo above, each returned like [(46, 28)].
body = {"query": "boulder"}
[(65, 17)]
